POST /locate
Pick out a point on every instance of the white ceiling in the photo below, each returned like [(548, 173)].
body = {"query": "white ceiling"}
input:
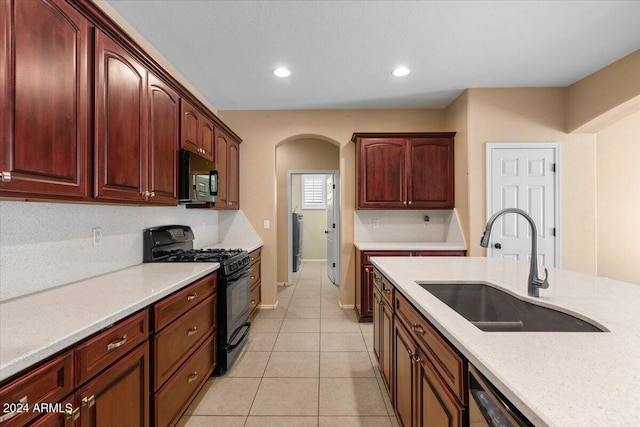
[(341, 53)]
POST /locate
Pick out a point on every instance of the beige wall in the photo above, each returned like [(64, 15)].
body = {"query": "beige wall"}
[(604, 97), (457, 120), (527, 115), (262, 131), (618, 187)]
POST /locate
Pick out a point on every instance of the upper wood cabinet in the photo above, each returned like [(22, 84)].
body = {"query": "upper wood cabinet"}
[(228, 163), (404, 170), (164, 134), (197, 131), (120, 123), (44, 100), (136, 136)]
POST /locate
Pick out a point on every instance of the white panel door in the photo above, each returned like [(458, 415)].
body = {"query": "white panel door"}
[(523, 178), (331, 230)]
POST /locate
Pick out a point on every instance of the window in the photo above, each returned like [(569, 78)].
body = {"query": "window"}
[(314, 194)]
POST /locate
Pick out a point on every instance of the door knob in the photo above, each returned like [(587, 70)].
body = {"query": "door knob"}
[(326, 231), (497, 246)]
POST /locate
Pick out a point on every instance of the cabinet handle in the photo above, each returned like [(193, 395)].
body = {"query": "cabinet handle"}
[(114, 345), (152, 194), (416, 359), (253, 302), (192, 377), (88, 402), (6, 177), (253, 277), (386, 291), (417, 328), (411, 353), (192, 296), (192, 331), (23, 404), (72, 414), (410, 202), (405, 203)]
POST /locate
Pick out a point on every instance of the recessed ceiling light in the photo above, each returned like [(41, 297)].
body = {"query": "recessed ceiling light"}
[(401, 71), (281, 72)]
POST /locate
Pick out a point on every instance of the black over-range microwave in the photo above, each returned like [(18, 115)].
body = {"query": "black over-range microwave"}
[(197, 179)]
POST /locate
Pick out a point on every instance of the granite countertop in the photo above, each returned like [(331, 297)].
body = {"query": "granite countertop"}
[(36, 326), (410, 246), (553, 378)]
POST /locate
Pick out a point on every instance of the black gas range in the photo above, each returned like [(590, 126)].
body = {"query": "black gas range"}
[(174, 243)]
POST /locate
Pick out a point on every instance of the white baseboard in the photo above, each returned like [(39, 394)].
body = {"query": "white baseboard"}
[(346, 306), (283, 284), (268, 306), (313, 260)]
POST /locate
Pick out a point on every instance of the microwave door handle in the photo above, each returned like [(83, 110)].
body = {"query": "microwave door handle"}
[(213, 180)]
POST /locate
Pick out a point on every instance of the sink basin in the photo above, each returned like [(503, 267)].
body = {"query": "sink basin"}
[(493, 310)]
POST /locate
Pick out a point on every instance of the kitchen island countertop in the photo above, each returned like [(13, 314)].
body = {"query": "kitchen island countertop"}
[(554, 378), (410, 246)]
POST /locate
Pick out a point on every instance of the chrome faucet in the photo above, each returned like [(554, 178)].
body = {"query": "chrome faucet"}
[(535, 283)]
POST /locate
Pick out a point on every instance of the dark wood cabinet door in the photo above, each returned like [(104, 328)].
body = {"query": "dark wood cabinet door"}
[(382, 173), (120, 395), (233, 176), (377, 325), (221, 159), (430, 183), (120, 123), (164, 127), (206, 138), (435, 405), (386, 349), (404, 376), (44, 99), (190, 127)]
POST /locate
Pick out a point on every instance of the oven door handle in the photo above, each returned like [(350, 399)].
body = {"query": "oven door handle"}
[(231, 346)]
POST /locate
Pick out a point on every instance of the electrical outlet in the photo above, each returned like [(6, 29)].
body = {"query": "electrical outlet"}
[(266, 224), (96, 234), (376, 223)]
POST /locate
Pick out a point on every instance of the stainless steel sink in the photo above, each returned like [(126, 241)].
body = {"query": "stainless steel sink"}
[(493, 310)]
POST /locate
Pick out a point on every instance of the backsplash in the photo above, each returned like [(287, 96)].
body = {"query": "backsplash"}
[(406, 226), (43, 245)]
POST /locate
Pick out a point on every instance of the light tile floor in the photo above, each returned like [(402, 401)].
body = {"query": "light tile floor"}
[(307, 363)]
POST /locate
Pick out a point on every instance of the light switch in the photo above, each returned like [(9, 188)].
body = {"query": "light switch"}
[(266, 224)]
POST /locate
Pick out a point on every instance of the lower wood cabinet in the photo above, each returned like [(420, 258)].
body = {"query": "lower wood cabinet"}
[(426, 377), (364, 277), (120, 395), (255, 277), (119, 377)]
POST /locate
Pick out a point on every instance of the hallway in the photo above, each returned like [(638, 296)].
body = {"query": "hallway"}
[(308, 363)]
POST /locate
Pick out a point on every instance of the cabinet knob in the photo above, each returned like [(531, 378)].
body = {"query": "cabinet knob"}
[(405, 203), (88, 402), (387, 291), (192, 331), (6, 176), (72, 414), (410, 201), (192, 377), (153, 194)]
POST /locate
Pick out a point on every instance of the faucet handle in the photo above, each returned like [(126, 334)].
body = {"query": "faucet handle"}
[(543, 283)]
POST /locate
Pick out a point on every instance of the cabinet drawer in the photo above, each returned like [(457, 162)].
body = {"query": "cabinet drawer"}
[(255, 256), (174, 344), (47, 384), (254, 298), (446, 361), (366, 256), (177, 393), (254, 274), (100, 351), (384, 286), (175, 305)]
